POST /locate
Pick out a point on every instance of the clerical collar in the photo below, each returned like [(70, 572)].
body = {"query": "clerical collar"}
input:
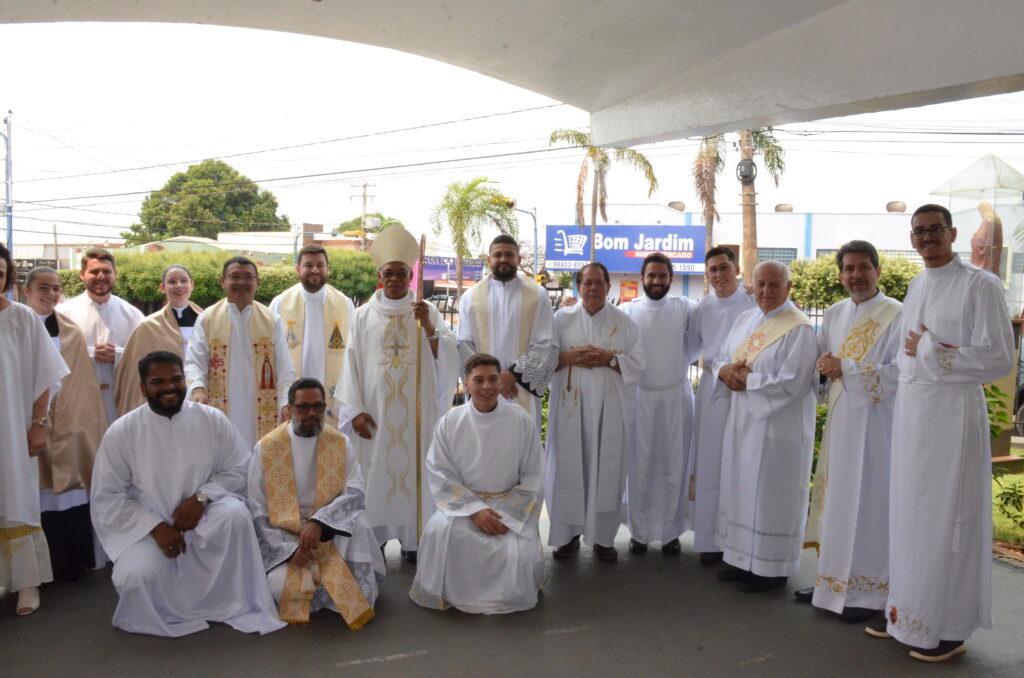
[(186, 316), (775, 311), (735, 294), (314, 296), (233, 305), (948, 268), (654, 302), (513, 280), (480, 413), (98, 303), (394, 304), (50, 322)]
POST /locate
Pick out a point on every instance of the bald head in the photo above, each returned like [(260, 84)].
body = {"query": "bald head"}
[(771, 285)]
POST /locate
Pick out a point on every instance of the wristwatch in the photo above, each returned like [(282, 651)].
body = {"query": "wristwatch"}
[(614, 362), (42, 421), (202, 498)]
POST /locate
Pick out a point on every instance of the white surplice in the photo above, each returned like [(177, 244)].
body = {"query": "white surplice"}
[(767, 449), (379, 378), (314, 351), (709, 327), (853, 560), (30, 364), (110, 322), (504, 306), (940, 540), (147, 465), (591, 411), (480, 460), (659, 441), (241, 372), (343, 516)]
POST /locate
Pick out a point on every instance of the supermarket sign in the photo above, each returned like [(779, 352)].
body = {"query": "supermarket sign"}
[(623, 248)]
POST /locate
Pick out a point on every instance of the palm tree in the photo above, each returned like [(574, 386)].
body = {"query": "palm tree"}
[(601, 159), (464, 209)]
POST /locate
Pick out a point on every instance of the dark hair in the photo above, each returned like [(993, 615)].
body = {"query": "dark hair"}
[(12, 273), (859, 247), (100, 255), (162, 357), (932, 207), (305, 382), (593, 264), (36, 271), (238, 260), (163, 276), (481, 360), (720, 250), (503, 239), (312, 250), (656, 258)]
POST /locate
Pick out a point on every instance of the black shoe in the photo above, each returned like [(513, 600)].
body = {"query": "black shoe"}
[(732, 574), (409, 555), (568, 550), (804, 595), (606, 553), (710, 557), (672, 548), (858, 615), (947, 649), (637, 547), (755, 583), (878, 628)]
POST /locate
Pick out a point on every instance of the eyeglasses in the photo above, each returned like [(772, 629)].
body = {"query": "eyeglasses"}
[(931, 230), (394, 275), (303, 408), (241, 278)]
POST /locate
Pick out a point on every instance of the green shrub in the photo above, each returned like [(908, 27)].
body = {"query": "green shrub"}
[(816, 281)]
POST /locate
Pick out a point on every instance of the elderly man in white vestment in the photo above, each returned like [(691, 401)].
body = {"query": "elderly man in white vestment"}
[(600, 361), (316, 318), (509, 316), (709, 326), (766, 367), (480, 551), (956, 336), (237, 358), (167, 504), (306, 498), (105, 319), (849, 518), (659, 440), (388, 336)]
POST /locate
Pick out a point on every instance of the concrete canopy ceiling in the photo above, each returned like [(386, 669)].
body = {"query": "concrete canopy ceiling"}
[(650, 70)]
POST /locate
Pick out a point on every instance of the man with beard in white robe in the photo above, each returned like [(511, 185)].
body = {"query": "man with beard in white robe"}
[(481, 549), (766, 367), (659, 442), (849, 518), (377, 393), (956, 336), (106, 320), (709, 326), (306, 497), (167, 505), (601, 358), (509, 316)]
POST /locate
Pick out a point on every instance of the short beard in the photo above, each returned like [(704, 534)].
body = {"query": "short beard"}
[(313, 290), (158, 408), (655, 296), (308, 431), (503, 277)]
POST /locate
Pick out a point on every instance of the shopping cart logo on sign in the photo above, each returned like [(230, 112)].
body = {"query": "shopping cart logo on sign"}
[(571, 244)]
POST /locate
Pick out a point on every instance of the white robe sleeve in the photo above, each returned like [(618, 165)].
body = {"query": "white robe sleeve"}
[(465, 342), (283, 363), (349, 393), (451, 496), (772, 391), (197, 357), (229, 473), (446, 365), (631, 360)]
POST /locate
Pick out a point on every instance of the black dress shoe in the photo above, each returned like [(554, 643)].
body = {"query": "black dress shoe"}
[(606, 553), (409, 555), (568, 550), (710, 557), (946, 649), (755, 583), (858, 615), (804, 595), (732, 574), (637, 547), (672, 548)]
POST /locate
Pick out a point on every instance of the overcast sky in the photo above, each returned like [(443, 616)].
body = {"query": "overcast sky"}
[(103, 99)]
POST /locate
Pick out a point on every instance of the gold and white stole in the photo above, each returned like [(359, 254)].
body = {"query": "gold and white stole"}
[(767, 333), (480, 312), (335, 314), (862, 336), (261, 336), (328, 567)]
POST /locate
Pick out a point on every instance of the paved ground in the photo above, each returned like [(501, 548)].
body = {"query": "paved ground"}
[(643, 616)]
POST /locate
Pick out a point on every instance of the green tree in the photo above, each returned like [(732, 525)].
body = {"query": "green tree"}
[(601, 159), (816, 281), (465, 208), (375, 223), (203, 200)]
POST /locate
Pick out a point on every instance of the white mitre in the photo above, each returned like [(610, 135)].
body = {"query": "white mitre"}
[(395, 243)]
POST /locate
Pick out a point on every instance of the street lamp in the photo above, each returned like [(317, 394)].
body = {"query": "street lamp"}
[(295, 244), (536, 251)]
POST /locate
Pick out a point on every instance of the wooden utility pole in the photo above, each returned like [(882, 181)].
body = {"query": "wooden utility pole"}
[(748, 201)]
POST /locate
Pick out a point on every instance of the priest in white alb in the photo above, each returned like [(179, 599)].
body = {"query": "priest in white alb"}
[(316, 318), (600, 361), (766, 367), (659, 440), (507, 315), (237, 358), (480, 551), (956, 336), (168, 505), (105, 319), (389, 336), (709, 326), (307, 501), (849, 517)]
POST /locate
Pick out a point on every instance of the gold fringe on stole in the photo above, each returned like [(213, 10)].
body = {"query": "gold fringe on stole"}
[(19, 532)]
